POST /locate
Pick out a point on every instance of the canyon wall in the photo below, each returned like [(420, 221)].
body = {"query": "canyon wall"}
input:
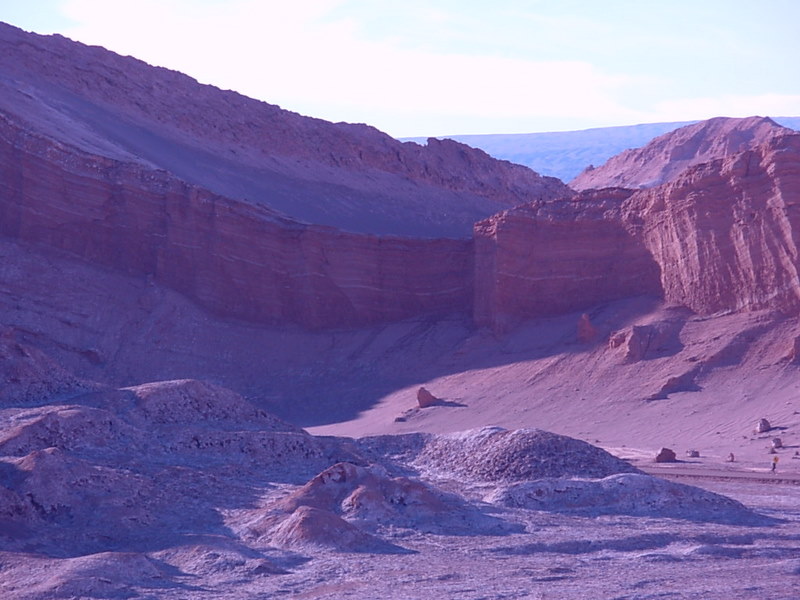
[(551, 258), (726, 232), (722, 237), (234, 258)]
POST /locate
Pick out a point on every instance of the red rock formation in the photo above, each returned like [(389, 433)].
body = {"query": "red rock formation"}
[(721, 237), (547, 259), (234, 258), (725, 233), (586, 331), (425, 398), (663, 159)]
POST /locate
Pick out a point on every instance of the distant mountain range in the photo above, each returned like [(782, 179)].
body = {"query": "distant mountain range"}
[(564, 154)]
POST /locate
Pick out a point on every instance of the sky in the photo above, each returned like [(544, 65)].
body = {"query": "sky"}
[(447, 67)]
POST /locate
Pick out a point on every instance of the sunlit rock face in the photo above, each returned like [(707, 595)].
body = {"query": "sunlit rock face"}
[(725, 233), (663, 159), (720, 236)]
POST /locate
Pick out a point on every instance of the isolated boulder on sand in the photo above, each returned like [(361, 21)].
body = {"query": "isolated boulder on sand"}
[(763, 426), (425, 398), (586, 331), (666, 455)]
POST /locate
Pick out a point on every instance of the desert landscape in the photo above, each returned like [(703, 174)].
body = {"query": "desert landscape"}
[(246, 353)]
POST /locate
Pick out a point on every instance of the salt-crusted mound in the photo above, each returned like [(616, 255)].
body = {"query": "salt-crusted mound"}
[(309, 528), (369, 496), (216, 555), (188, 402), (28, 376), (665, 157), (67, 427), (626, 494), (100, 575), (497, 454), (71, 506)]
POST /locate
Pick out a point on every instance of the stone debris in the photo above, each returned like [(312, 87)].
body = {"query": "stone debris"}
[(425, 398), (666, 455), (763, 426)]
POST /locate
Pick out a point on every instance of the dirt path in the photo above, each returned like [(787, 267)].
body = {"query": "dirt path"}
[(708, 472)]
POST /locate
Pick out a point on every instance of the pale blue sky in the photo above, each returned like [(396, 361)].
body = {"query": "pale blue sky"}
[(438, 67)]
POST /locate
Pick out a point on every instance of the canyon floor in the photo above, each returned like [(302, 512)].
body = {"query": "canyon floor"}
[(113, 491)]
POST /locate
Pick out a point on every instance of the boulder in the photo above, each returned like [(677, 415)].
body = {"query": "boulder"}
[(425, 398), (777, 443), (586, 331), (762, 426), (666, 455)]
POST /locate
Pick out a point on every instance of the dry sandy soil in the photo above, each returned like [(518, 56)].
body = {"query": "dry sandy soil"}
[(113, 490)]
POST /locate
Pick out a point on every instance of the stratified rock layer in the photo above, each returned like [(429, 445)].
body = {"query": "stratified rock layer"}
[(725, 233), (234, 258), (551, 258), (720, 237)]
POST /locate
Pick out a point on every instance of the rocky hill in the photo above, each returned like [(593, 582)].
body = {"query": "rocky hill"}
[(665, 157), (231, 201), (565, 154), (349, 176)]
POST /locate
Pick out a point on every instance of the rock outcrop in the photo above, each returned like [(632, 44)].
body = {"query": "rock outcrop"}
[(720, 237), (666, 455), (552, 258), (667, 156), (425, 398), (724, 234)]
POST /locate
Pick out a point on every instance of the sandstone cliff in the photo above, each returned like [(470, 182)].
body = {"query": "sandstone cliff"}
[(546, 259), (721, 237), (664, 158), (725, 233), (234, 258)]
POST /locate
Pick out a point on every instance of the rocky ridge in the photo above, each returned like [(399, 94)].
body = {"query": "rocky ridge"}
[(130, 167), (667, 156)]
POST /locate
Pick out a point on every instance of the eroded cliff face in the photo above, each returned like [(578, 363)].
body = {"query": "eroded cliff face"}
[(553, 258), (721, 237), (667, 156), (234, 258), (725, 233)]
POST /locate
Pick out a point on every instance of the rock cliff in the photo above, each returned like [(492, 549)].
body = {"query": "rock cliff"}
[(551, 258), (665, 157), (725, 233), (721, 237), (234, 258)]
